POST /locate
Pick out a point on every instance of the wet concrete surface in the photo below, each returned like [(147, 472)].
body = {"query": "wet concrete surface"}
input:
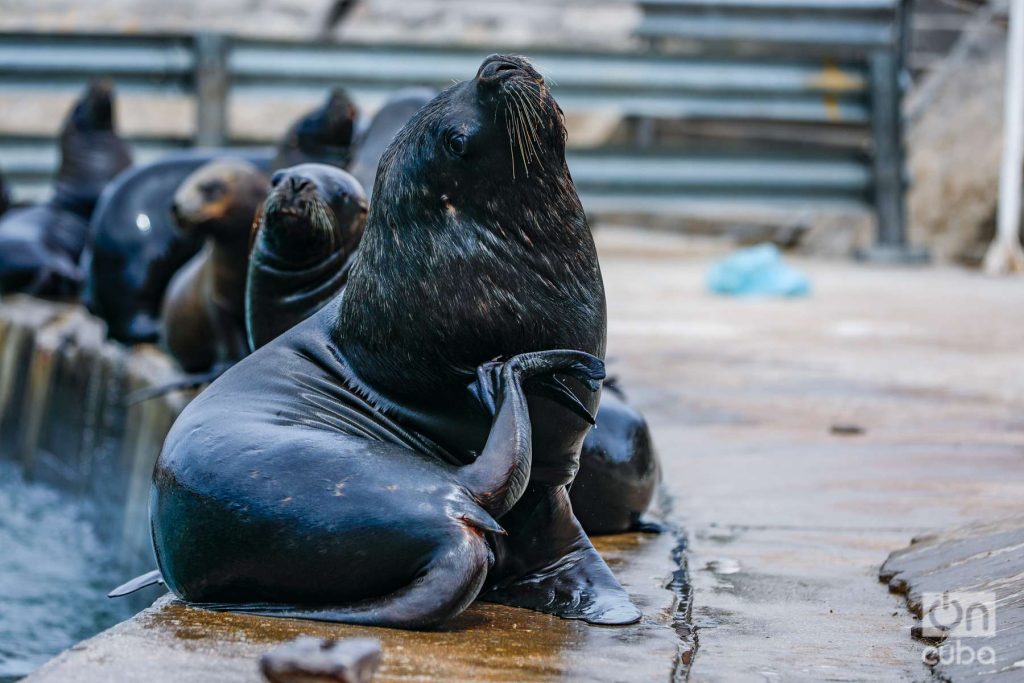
[(174, 643), (789, 522)]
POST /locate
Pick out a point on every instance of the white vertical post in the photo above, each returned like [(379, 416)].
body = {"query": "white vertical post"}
[(1005, 254)]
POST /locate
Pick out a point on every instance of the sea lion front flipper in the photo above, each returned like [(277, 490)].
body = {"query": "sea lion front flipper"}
[(498, 477), (445, 587)]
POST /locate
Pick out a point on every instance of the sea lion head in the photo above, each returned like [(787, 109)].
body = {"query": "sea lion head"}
[(498, 135), (219, 200), (476, 245), (91, 151), (312, 211), (323, 135)]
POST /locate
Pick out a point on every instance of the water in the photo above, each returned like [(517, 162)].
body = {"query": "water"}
[(54, 575)]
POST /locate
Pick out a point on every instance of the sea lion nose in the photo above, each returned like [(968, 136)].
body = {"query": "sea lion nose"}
[(276, 179), (299, 183), (496, 67)]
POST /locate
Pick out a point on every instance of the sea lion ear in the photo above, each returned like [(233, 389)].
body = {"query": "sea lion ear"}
[(257, 219)]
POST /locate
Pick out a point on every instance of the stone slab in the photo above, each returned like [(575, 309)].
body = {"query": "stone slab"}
[(964, 564)]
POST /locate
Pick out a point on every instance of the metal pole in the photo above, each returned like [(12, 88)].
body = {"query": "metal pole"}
[(888, 149), (211, 89), (1005, 255), (888, 77)]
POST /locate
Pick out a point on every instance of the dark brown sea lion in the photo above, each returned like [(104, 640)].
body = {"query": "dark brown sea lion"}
[(252, 483), (40, 246), (203, 316), (306, 235), (323, 136)]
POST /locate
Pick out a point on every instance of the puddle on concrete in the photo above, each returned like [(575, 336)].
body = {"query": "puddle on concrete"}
[(54, 574)]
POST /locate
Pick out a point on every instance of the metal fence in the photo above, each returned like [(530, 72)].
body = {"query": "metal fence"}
[(756, 62)]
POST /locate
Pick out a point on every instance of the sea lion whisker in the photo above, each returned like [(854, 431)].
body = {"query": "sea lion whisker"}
[(530, 132), (519, 140), (511, 149), (528, 112)]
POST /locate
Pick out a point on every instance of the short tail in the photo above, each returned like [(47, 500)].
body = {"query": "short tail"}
[(138, 583)]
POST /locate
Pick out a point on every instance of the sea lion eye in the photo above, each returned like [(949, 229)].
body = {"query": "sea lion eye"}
[(212, 190), (457, 144)]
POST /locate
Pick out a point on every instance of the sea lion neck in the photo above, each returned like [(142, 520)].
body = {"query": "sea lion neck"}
[(432, 296)]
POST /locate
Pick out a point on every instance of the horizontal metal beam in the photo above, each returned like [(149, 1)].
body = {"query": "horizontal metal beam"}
[(783, 179)]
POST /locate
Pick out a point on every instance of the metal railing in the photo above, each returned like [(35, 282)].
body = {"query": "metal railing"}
[(732, 78)]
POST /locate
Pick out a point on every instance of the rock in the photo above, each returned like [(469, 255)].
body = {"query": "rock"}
[(308, 659), (966, 586), (954, 139)]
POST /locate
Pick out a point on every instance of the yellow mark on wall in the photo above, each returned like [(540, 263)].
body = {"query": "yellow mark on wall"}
[(834, 82)]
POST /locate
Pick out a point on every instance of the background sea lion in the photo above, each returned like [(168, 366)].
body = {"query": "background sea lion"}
[(136, 248), (386, 123), (475, 186), (306, 234), (324, 135), (619, 469), (203, 317), (40, 246)]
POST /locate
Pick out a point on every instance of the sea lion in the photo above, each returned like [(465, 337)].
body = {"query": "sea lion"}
[(40, 246), (619, 469), (203, 315), (389, 119), (475, 187), (136, 249), (306, 234), (324, 135)]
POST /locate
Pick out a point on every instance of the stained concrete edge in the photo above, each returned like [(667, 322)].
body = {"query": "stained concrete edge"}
[(171, 642)]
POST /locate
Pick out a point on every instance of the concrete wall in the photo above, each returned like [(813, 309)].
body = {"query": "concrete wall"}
[(65, 418)]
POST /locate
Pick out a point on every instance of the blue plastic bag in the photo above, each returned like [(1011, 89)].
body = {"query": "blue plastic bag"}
[(757, 271)]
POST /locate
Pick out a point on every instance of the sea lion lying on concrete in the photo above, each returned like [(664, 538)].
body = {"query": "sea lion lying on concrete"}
[(203, 316), (40, 246), (475, 186)]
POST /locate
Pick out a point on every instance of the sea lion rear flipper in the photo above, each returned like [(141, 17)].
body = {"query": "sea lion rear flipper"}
[(138, 583), (579, 586), (551, 566), (443, 590)]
